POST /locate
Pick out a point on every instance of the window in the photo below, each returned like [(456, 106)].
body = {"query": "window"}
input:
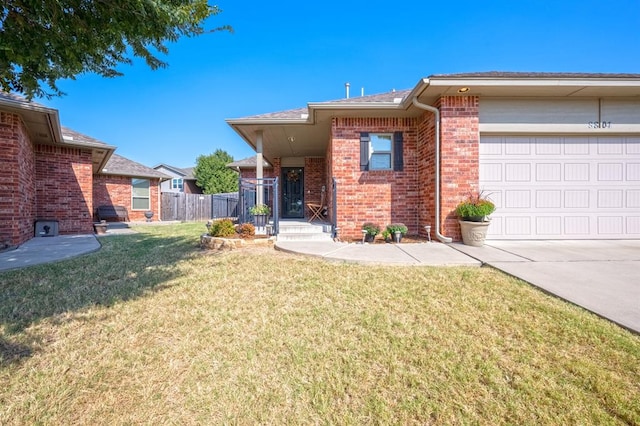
[(381, 151), (176, 183), (140, 194), (380, 148)]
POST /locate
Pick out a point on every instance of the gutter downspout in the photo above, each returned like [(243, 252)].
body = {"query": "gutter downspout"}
[(436, 112)]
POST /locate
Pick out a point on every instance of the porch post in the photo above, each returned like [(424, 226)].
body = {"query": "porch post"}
[(259, 171)]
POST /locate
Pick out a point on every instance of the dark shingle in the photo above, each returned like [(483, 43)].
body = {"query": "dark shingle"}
[(121, 166)]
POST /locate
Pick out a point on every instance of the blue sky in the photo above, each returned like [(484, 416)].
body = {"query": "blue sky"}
[(285, 54)]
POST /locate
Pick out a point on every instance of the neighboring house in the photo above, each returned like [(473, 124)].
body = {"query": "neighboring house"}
[(247, 167), (51, 172), (181, 179), (559, 154), (123, 182)]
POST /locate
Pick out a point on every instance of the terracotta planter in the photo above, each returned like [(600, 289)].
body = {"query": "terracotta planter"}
[(473, 233)]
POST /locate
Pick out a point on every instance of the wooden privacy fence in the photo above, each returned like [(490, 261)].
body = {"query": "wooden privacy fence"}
[(195, 207)]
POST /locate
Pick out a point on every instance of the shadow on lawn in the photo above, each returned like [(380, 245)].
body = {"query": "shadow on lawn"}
[(126, 267)]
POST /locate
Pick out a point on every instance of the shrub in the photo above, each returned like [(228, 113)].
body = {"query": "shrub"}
[(246, 230), (260, 209), (397, 227), (371, 228), (475, 205), (222, 228)]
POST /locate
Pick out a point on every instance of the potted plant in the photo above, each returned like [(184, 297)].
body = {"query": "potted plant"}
[(386, 236), (260, 213), (396, 231), (371, 231), (472, 213)]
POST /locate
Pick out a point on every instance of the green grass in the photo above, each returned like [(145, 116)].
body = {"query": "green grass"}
[(151, 330)]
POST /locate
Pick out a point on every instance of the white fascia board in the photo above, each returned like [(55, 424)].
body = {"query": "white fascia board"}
[(241, 121), (357, 105), (537, 82)]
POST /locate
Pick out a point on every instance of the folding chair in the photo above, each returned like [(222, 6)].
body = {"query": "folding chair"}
[(317, 208)]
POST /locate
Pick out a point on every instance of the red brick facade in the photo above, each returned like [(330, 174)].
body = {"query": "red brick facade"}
[(407, 196), (459, 157), (63, 187), (314, 179), (378, 196), (17, 181), (111, 190)]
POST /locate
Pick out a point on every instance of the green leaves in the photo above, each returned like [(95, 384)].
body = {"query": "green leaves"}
[(213, 175), (45, 41)]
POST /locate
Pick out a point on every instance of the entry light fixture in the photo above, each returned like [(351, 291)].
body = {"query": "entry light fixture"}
[(463, 90), (291, 139)]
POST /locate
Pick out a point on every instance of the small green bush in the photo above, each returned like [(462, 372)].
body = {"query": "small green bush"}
[(371, 228), (397, 227), (475, 205), (246, 230), (222, 228)]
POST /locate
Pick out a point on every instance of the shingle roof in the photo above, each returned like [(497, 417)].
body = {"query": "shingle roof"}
[(302, 113), (187, 172), (119, 165), (17, 98), (77, 138), (554, 75), (248, 163)]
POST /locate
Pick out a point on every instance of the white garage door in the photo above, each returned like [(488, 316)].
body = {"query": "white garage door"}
[(562, 187)]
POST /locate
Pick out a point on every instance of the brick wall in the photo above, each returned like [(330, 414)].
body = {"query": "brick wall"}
[(426, 172), (459, 164), (64, 185), (381, 197), (109, 190), (17, 181), (314, 179)]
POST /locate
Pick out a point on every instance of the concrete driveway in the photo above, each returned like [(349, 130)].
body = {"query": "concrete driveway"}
[(601, 276)]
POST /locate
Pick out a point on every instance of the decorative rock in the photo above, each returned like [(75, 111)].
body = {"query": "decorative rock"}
[(218, 243)]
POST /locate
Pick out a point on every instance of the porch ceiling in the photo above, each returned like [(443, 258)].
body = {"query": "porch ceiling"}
[(309, 135)]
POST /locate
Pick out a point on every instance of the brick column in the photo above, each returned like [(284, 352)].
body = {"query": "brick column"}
[(17, 181), (459, 157)]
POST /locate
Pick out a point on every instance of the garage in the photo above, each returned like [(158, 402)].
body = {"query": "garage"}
[(562, 187)]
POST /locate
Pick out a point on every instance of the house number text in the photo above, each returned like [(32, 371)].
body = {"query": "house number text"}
[(599, 124)]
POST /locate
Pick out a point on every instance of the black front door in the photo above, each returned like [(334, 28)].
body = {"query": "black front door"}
[(292, 192)]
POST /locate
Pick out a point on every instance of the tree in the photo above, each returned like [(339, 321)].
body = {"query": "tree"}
[(213, 175), (47, 40)]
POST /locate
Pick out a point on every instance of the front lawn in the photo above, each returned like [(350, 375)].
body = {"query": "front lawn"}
[(151, 330)]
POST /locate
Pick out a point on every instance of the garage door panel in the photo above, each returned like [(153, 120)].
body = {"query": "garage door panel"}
[(562, 187)]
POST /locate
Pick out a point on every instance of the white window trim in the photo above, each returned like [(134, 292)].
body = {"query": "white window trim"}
[(148, 197), (179, 182), (372, 151)]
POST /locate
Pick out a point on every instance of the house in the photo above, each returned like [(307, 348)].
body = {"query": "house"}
[(52, 172), (181, 179), (559, 154)]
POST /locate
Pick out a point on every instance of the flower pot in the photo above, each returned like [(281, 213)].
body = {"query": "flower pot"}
[(148, 215), (260, 220), (473, 233), (397, 236), (369, 238)]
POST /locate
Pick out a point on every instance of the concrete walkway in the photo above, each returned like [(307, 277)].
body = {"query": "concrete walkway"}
[(41, 250), (433, 254)]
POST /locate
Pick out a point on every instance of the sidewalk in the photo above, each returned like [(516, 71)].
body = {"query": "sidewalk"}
[(427, 254), (41, 250)]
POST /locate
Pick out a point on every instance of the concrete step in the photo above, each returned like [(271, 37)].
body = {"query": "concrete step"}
[(313, 236), (304, 231)]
